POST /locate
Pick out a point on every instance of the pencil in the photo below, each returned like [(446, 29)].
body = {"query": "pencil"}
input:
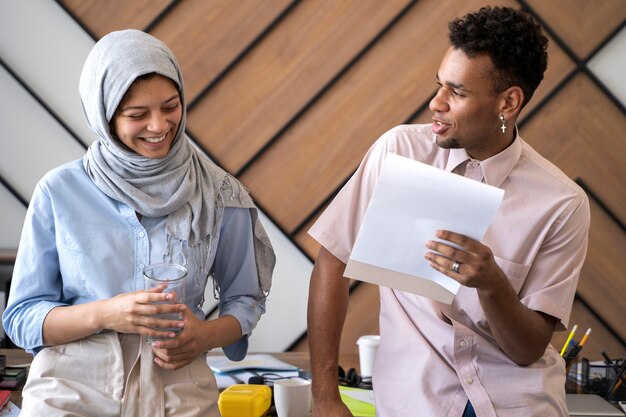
[(571, 334), (584, 339)]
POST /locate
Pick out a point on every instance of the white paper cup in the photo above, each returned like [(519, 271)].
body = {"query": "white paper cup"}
[(368, 346), (292, 397), (173, 276)]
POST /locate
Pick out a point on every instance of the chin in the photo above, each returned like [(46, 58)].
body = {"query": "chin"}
[(448, 143)]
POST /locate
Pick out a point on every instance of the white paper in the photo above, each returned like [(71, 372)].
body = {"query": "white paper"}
[(410, 202), (367, 396), (10, 410)]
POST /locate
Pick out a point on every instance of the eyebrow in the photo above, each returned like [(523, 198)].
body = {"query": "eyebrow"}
[(452, 84), (175, 96)]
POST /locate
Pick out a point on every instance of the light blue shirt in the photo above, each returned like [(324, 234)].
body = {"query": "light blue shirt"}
[(78, 246)]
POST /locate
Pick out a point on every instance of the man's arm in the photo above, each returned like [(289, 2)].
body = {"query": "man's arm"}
[(328, 304), (523, 334)]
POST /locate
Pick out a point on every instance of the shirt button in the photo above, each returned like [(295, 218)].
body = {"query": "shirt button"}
[(141, 266), (469, 380), (141, 234), (462, 343)]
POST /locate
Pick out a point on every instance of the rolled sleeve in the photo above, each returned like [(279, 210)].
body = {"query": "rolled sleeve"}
[(237, 277), (36, 283)]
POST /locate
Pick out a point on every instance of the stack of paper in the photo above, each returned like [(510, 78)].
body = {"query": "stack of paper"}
[(229, 372), (359, 401)]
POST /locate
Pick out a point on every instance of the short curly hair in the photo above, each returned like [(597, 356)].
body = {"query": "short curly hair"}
[(511, 38)]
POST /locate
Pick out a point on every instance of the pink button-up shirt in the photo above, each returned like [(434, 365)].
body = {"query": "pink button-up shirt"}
[(433, 357)]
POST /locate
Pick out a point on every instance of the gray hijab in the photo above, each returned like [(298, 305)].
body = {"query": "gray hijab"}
[(185, 185)]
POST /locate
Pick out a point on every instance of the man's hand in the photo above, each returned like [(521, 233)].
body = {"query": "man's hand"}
[(330, 408), (476, 267), (523, 334)]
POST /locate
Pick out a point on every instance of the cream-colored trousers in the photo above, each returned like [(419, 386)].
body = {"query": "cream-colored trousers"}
[(111, 374)]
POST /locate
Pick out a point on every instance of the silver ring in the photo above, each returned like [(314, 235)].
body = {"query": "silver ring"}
[(455, 266)]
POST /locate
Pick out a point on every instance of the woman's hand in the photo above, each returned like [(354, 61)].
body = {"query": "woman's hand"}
[(134, 312), (197, 337), (124, 313), (184, 348)]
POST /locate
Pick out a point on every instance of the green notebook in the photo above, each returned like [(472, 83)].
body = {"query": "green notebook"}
[(359, 401)]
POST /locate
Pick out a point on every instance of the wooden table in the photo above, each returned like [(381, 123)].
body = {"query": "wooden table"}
[(16, 357), (7, 256), (299, 359)]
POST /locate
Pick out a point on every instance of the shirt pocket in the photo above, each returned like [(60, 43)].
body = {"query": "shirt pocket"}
[(515, 272)]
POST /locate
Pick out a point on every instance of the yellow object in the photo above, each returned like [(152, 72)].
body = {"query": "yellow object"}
[(245, 400)]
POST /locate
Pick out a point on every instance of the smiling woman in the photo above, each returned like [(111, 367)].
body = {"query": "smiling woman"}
[(146, 196), (148, 117)]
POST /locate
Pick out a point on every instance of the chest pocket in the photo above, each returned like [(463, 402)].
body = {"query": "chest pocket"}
[(515, 272)]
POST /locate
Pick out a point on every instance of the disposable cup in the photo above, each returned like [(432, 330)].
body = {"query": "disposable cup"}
[(368, 346)]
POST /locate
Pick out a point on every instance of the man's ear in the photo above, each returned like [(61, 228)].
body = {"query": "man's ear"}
[(511, 102)]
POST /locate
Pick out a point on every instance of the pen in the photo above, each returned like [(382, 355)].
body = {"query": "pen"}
[(571, 334), (574, 352), (585, 337), (617, 381)]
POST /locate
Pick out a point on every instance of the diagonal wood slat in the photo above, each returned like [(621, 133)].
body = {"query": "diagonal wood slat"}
[(283, 73), (582, 24), (206, 36), (602, 282), (382, 90), (599, 340), (582, 132), (102, 17)]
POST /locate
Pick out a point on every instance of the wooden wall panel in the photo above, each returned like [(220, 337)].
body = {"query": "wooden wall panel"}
[(283, 73), (102, 17), (361, 318), (379, 92), (306, 242), (214, 33), (559, 66), (582, 132), (599, 339), (602, 284), (602, 129), (582, 24)]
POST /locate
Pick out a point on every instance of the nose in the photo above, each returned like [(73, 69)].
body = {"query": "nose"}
[(438, 102), (157, 123)]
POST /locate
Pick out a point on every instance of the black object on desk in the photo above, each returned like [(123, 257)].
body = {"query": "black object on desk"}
[(607, 379)]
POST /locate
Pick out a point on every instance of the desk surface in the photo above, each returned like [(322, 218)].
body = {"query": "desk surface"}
[(299, 359), (7, 256)]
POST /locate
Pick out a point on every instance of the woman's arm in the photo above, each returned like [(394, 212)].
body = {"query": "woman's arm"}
[(241, 301), (125, 313)]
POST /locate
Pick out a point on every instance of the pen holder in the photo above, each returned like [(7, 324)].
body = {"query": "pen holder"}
[(604, 379)]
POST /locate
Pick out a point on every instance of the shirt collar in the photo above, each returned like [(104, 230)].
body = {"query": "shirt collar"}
[(496, 168)]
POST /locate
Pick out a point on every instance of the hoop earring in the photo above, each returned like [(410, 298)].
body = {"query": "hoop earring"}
[(503, 127)]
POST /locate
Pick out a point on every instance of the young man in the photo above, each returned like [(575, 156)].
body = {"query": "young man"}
[(488, 353)]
